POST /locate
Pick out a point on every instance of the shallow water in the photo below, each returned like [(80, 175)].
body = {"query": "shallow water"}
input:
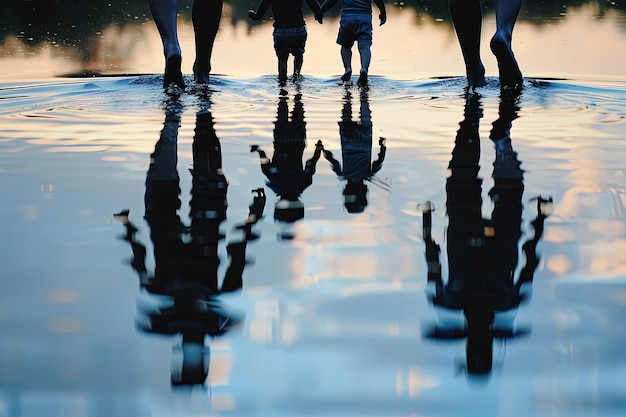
[(333, 316)]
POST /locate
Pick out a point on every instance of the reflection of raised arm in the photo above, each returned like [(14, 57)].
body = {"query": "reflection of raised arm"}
[(237, 250), (265, 161), (544, 209), (432, 248), (138, 261), (260, 10), (309, 166), (333, 162), (378, 163)]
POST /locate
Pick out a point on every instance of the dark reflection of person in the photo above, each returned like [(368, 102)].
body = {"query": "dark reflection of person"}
[(467, 18), (206, 16), (483, 254), (356, 153), (285, 173), (186, 257)]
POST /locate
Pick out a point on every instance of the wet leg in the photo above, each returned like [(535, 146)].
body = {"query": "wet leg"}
[(467, 20), (365, 53), (164, 14), (206, 16), (298, 59), (282, 69), (346, 58), (506, 16)]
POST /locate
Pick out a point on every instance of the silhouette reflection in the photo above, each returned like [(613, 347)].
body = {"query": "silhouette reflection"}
[(356, 153), (483, 253), (185, 280), (285, 173)]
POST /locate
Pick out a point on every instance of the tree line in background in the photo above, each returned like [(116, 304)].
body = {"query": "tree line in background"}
[(75, 23)]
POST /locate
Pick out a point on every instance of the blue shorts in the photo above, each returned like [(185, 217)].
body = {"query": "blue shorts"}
[(289, 41), (355, 27)]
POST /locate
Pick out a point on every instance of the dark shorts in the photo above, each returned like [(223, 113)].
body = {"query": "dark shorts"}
[(289, 41), (355, 27)]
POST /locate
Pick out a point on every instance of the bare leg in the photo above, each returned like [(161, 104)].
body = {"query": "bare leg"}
[(206, 16), (506, 16), (297, 65), (282, 69), (365, 53), (467, 19), (164, 15), (346, 57)]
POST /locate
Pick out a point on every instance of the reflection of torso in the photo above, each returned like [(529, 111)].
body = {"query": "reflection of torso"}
[(285, 173), (356, 150), (482, 254)]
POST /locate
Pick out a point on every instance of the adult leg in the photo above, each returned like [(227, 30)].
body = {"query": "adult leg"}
[(206, 16), (506, 16), (467, 20), (164, 14)]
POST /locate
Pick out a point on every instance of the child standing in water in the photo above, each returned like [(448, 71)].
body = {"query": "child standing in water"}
[(356, 25), (289, 31)]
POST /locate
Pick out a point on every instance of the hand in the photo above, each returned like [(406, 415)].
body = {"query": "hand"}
[(253, 15), (383, 18), (319, 146)]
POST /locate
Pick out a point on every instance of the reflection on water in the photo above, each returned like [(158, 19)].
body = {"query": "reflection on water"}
[(483, 253), (356, 153), (185, 284), (286, 175), (332, 321)]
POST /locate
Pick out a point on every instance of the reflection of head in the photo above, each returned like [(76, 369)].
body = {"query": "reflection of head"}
[(479, 340), (355, 197), (288, 210)]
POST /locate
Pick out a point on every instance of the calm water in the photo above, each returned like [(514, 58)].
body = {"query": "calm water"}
[(331, 314)]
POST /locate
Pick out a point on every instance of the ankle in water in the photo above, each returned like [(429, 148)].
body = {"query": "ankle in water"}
[(346, 75), (173, 74)]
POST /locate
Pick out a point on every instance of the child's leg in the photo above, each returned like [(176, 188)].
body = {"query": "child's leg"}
[(298, 59), (365, 52), (346, 57), (282, 68), (206, 17)]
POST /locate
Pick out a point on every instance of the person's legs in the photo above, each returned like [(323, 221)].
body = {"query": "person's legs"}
[(206, 16), (467, 19), (164, 13), (506, 16), (365, 53), (346, 58), (298, 51), (282, 68), (281, 46)]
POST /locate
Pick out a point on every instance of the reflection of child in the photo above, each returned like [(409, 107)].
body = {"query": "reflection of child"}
[(356, 25), (286, 175), (356, 153), (289, 31)]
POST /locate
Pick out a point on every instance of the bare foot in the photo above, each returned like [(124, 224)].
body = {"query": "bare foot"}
[(510, 74), (201, 73), (173, 74), (476, 78)]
